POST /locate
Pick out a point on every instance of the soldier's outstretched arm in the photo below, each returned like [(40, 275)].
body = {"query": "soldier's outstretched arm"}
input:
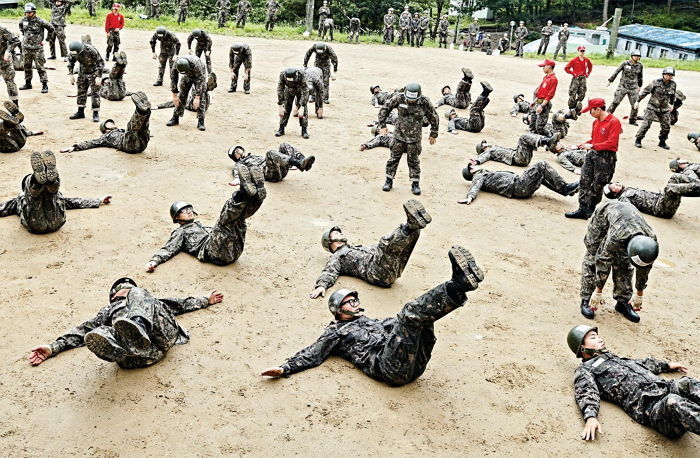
[(474, 189), (588, 400), (641, 277), (334, 59), (329, 274), (88, 144), (434, 121), (616, 72), (9, 208), (153, 43), (189, 304), (646, 91), (656, 366), (171, 248), (384, 111), (281, 84), (309, 357), (73, 203), (190, 38)]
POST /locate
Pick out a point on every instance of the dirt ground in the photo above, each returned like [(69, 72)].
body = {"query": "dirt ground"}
[(500, 380)]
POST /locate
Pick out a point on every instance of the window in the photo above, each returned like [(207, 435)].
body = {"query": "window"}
[(682, 56), (650, 50), (638, 46), (663, 54), (628, 45)]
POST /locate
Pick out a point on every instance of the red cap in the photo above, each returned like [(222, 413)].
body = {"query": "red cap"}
[(116, 5), (581, 48), (594, 103), (549, 62)]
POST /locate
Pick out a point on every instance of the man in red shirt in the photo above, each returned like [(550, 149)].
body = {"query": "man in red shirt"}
[(543, 98), (599, 165), (113, 24), (579, 67)]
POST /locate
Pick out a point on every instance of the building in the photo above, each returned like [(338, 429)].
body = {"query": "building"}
[(595, 41), (658, 42)]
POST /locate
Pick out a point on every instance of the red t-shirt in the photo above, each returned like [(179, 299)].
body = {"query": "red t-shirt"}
[(547, 87), (114, 21), (606, 134), (579, 67)]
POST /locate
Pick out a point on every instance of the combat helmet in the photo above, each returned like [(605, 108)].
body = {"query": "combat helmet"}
[(576, 335)]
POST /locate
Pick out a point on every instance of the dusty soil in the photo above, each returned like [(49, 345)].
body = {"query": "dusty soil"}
[(499, 382)]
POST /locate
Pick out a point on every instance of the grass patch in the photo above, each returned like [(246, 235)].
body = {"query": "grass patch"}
[(600, 59)]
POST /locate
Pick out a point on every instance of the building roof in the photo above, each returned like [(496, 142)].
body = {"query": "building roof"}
[(669, 37)]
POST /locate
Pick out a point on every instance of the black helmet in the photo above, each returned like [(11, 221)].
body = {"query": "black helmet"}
[(176, 208), (693, 137), (642, 250), (326, 238), (76, 47), (467, 173), (337, 297), (480, 146), (232, 152), (160, 30), (320, 47), (103, 125), (29, 8), (517, 96), (196, 32), (412, 91), (448, 114), (674, 165), (183, 65), (119, 285), (291, 74), (576, 335), (237, 47), (372, 88)]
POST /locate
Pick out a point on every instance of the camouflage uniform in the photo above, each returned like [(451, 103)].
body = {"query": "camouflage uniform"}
[(41, 207), (169, 48), (90, 4), (32, 46), (155, 9), (7, 70), (163, 329), (182, 14), (662, 204), (90, 71), (424, 28), (394, 350), (114, 88), (276, 163), (486, 45), (503, 45), (245, 58), (389, 21), (563, 36), (476, 120), (461, 99), (132, 140), (520, 107), (572, 159), (380, 98), (520, 156), (521, 33), (189, 106), (58, 21), (203, 46), (13, 136), (224, 7), (557, 126), (242, 13), (354, 33), (324, 12), (547, 31), (222, 244), (415, 30), (272, 8), (471, 36), (658, 109), (671, 407), (512, 186), (680, 98), (289, 92), (323, 61), (443, 27), (404, 28), (314, 80), (195, 79), (385, 140), (630, 82), (408, 131), (692, 171), (612, 226)]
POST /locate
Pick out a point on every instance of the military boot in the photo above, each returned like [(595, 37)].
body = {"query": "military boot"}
[(468, 75), (417, 216), (466, 274), (174, 121), (388, 184), (38, 167), (586, 309), (106, 56), (95, 116), (633, 122), (550, 142), (9, 118), (638, 142), (27, 85), (44, 87), (49, 160), (158, 83), (570, 189), (252, 181), (12, 106), (415, 188), (200, 124), (573, 114), (486, 89), (78, 114), (626, 310), (279, 132), (141, 101), (304, 133), (232, 88), (662, 144), (302, 163), (581, 213), (103, 344), (133, 331)]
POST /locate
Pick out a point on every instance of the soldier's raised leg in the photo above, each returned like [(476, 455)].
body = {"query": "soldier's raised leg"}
[(462, 95)]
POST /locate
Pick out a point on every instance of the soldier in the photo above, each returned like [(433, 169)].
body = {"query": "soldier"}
[(394, 350), (325, 56), (222, 244), (544, 94), (90, 7), (512, 186), (155, 9), (113, 86), (520, 105), (520, 155), (13, 134), (599, 165), (314, 81), (486, 45), (386, 140), (443, 27), (189, 106), (242, 13), (579, 68), (114, 23), (59, 10), (660, 204), (688, 169), (559, 122), (563, 37), (381, 264), (182, 15), (404, 26), (40, 206), (275, 165), (412, 108), (389, 21), (89, 76), (463, 97), (471, 35), (547, 31), (224, 7), (694, 138), (354, 32), (617, 238), (424, 26), (134, 330), (169, 50), (32, 28), (292, 89), (663, 96), (324, 12), (415, 30), (272, 8), (680, 98), (671, 407), (630, 84), (132, 140), (570, 157), (477, 119), (203, 45), (521, 33), (192, 75), (8, 41), (379, 97), (503, 44), (240, 54)]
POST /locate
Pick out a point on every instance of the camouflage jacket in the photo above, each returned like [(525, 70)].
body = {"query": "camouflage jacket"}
[(389, 20), (425, 23), (324, 12), (415, 24), (223, 4), (197, 74), (521, 33), (572, 159), (293, 88), (169, 43), (117, 309), (251, 160), (323, 59), (474, 28), (188, 237), (692, 171), (662, 95), (501, 183), (91, 63), (409, 124), (547, 31), (443, 26), (448, 99), (506, 155), (380, 98), (58, 13), (652, 203), (405, 20), (112, 139), (7, 40), (632, 384), (359, 341), (272, 7), (203, 42), (13, 208), (631, 74), (33, 32), (245, 55), (351, 260), (613, 225), (355, 23), (314, 80), (563, 34), (243, 7)]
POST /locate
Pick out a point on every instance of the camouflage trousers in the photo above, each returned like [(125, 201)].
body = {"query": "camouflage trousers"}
[(182, 14), (391, 254), (560, 46), (354, 34), (59, 35), (248, 65), (521, 155), (113, 42), (7, 70), (223, 17), (538, 175), (388, 35), (412, 152), (41, 209), (477, 119), (90, 7), (443, 40), (326, 82), (137, 133), (186, 84), (462, 97), (289, 99), (538, 121), (632, 96), (470, 42), (13, 137), (404, 34), (277, 163), (270, 23), (155, 11), (520, 107), (227, 238), (577, 91), (198, 51), (35, 56), (664, 204), (662, 117), (417, 38), (679, 411), (163, 61), (85, 81), (519, 43), (115, 88), (597, 170), (544, 44), (408, 348), (241, 19), (386, 141), (622, 274)]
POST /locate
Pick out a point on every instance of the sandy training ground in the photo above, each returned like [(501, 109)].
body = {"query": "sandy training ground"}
[(500, 380)]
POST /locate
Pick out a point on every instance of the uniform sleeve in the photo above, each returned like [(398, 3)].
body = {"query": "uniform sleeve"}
[(646, 91), (183, 305), (177, 44), (654, 365), (477, 182), (153, 42), (314, 354), (586, 392), (330, 273), (49, 28), (307, 56), (334, 59), (74, 203), (616, 72), (231, 57), (76, 336), (452, 124), (200, 83), (71, 64), (171, 248), (386, 109), (9, 208), (209, 43), (565, 162), (281, 84), (641, 277), (174, 79), (640, 79), (304, 98), (433, 118), (190, 38), (89, 144)]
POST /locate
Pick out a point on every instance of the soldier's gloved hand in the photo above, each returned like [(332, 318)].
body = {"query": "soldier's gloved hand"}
[(281, 111), (98, 81), (577, 171), (151, 266), (72, 80), (636, 302), (106, 199), (39, 354), (273, 372), (318, 292), (154, 56), (597, 301), (589, 430)]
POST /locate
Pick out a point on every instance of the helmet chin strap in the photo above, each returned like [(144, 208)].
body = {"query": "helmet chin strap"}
[(592, 352), (351, 313)]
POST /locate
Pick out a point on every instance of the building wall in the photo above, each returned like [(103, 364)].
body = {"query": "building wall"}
[(652, 50)]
